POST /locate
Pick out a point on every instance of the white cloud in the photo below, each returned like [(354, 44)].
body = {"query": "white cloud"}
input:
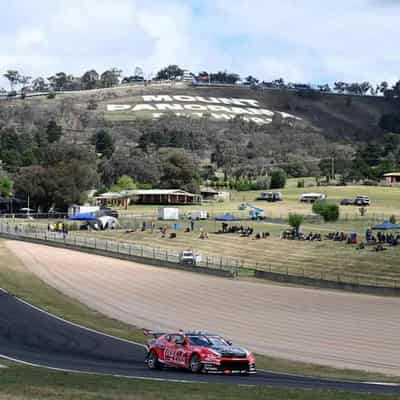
[(305, 40)]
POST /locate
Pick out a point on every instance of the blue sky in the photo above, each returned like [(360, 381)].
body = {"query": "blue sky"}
[(299, 40)]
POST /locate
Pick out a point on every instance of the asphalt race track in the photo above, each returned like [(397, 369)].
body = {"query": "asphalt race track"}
[(30, 335)]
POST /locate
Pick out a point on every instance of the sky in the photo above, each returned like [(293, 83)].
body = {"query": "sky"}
[(309, 41)]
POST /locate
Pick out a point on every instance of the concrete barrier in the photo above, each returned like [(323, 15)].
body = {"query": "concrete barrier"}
[(327, 284)]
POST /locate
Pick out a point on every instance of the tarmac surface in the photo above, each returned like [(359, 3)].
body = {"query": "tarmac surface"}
[(32, 336)]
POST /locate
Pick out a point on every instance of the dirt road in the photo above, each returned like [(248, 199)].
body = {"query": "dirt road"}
[(343, 330)]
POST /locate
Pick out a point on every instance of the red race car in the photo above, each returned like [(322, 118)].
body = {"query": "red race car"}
[(197, 352)]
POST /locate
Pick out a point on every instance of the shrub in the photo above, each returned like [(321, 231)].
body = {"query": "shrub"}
[(300, 184), (328, 211), (392, 219), (51, 95), (278, 179), (295, 221), (261, 183)]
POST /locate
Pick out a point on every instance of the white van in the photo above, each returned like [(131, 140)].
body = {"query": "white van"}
[(312, 197)]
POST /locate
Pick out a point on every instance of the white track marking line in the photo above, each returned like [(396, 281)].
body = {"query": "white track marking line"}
[(75, 324), (16, 360)]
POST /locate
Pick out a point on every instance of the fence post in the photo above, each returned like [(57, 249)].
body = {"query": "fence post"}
[(106, 249)]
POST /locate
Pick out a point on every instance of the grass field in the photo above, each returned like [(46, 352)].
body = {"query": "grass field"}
[(25, 383), (385, 201), (15, 278)]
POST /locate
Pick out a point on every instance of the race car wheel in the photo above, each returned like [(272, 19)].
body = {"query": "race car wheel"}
[(195, 365), (152, 360)]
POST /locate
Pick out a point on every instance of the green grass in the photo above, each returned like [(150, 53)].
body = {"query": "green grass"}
[(15, 278), (25, 383)]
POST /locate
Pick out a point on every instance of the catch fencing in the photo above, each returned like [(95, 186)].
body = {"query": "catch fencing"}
[(222, 266)]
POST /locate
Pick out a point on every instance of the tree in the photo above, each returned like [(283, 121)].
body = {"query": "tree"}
[(58, 81), (90, 79), (39, 85), (328, 211), (178, 171), (383, 87), (251, 80), (390, 122), (6, 186), (13, 77), (53, 132), (295, 221), (170, 72), (125, 182), (340, 87), (110, 77), (61, 181), (278, 179), (104, 143)]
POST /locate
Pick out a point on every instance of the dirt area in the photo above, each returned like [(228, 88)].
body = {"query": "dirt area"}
[(329, 328)]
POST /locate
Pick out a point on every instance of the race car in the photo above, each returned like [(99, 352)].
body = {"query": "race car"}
[(197, 352)]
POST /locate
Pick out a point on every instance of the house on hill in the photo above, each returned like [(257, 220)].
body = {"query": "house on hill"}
[(392, 178)]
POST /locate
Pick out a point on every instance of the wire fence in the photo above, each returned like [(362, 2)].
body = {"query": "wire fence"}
[(235, 267)]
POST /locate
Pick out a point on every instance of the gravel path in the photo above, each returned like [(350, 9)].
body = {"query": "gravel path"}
[(339, 329)]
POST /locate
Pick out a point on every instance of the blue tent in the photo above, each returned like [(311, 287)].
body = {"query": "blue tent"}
[(226, 218), (83, 217), (386, 226)]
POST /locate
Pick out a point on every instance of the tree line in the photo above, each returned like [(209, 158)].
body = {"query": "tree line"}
[(91, 79)]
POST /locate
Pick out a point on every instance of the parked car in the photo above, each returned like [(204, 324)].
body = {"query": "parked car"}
[(189, 258), (347, 202), (312, 197), (362, 201), (197, 352), (109, 212), (270, 196), (357, 201)]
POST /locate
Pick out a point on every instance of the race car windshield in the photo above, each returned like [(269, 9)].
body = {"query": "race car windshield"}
[(217, 341), (199, 341), (207, 341)]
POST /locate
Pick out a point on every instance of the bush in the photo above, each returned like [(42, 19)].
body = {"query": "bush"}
[(278, 179), (261, 183), (328, 211), (295, 221), (300, 184), (51, 95), (392, 219)]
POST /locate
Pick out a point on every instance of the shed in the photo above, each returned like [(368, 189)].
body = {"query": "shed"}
[(392, 178), (164, 196)]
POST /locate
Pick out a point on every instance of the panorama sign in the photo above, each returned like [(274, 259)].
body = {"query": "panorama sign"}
[(219, 108)]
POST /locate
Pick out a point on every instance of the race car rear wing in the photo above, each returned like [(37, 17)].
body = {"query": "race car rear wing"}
[(155, 334)]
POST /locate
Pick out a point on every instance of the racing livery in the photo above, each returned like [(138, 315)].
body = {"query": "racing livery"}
[(197, 352)]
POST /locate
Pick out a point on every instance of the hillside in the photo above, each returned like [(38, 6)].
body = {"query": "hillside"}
[(276, 125)]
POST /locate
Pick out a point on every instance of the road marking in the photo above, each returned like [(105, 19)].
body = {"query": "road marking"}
[(16, 360), (75, 324), (382, 383)]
